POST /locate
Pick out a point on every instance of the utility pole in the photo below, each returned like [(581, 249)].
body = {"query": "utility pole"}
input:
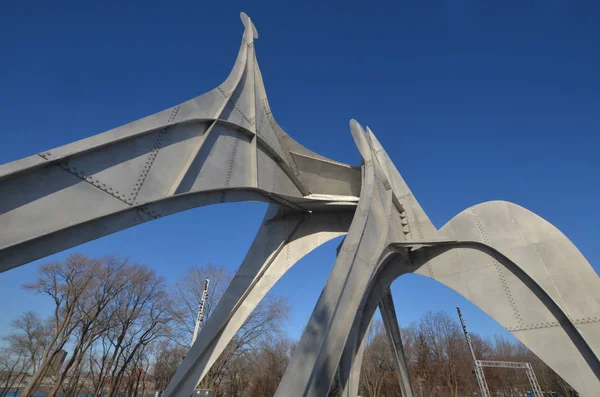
[(477, 369), (200, 317), (199, 321)]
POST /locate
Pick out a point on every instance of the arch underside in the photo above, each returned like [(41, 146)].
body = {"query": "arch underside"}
[(279, 244), (510, 263), (531, 279), (225, 146)]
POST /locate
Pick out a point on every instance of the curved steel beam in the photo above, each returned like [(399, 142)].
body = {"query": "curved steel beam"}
[(568, 353), (393, 265), (320, 348), (558, 340), (223, 146), (392, 329), (519, 264), (552, 265), (351, 361), (281, 241)]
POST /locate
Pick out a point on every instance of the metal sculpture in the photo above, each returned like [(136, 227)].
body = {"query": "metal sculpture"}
[(225, 146)]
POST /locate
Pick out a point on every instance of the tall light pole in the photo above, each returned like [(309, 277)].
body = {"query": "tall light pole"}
[(477, 369), (200, 317)]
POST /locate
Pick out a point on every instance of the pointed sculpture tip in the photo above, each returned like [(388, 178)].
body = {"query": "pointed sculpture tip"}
[(374, 141), (356, 125), (368, 133), (373, 138), (360, 139), (356, 129), (248, 24)]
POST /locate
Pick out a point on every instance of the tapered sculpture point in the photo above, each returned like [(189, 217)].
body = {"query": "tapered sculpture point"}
[(248, 24)]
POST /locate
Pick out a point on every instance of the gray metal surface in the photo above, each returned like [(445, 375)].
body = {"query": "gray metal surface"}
[(225, 146), (388, 313)]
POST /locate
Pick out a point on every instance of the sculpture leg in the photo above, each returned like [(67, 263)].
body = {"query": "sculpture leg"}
[(278, 245), (319, 351), (351, 361), (388, 313), (387, 273)]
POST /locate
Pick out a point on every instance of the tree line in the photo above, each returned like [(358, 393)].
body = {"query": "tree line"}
[(118, 329), (440, 364)]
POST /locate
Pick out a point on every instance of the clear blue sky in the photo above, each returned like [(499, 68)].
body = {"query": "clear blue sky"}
[(473, 100)]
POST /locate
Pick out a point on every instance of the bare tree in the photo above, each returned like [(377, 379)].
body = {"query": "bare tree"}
[(449, 349), (421, 360), (154, 323), (241, 370), (377, 361), (167, 359), (24, 350), (111, 278), (139, 314), (268, 367), (263, 324), (120, 322), (66, 284), (30, 338), (13, 370), (102, 305), (188, 293), (134, 381)]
